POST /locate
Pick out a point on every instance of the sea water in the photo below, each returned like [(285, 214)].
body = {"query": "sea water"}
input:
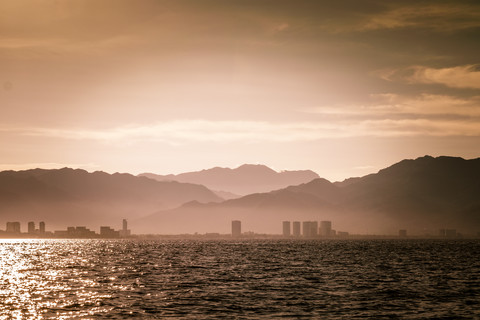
[(247, 279)]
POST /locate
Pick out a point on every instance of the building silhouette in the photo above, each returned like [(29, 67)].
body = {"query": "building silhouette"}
[(31, 227), (402, 233), (296, 228), (236, 228), (314, 228), (286, 228), (76, 232), (325, 228), (41, 227), (310, 229), (13, 227), (84, 232), (125, 232), (306, 228), (107, 232)]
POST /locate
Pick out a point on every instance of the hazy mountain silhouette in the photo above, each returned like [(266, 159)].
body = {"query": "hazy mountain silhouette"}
[(442, 192), (243, 180), (421, 195), (68, 196), (225, 195)]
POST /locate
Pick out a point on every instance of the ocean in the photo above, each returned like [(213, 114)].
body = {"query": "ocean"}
[(245, 279)]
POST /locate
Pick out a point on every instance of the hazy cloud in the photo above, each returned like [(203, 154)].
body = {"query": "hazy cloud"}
[(181, 132), (193, 131), (441, 17), (454, 77), (424, 105), (394, 115)]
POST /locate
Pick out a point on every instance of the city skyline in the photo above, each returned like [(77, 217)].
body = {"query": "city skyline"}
[(309, 230), (14, 228)]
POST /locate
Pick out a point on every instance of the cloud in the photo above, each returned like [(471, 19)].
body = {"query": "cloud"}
[(455, 77), (442, 17), (391, 116), (195, 131), (387, 115), (422, 127), (467, 76), (434, 16), (393, 105), (428, 105)]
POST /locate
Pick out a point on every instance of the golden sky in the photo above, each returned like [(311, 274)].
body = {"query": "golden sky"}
[(344, 88)]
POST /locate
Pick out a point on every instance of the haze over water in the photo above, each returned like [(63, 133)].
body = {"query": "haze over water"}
[(412, 279)]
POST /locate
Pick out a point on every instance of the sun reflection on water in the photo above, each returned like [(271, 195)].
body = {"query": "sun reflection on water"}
[(72, 279), (42, 279)]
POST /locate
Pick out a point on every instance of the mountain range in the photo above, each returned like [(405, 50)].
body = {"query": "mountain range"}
[(421, 195), (246, 179), (66, 196)]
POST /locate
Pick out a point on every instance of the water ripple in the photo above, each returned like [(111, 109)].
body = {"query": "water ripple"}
[(410, 279)]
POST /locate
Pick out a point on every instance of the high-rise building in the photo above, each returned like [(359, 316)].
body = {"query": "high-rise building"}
[(310, 229), (13, 227), (325, 228), (124, 232), (236, 228), (306, 229), (296, 228), (314, 228), (286, 228), (31, 227), (41, 227)]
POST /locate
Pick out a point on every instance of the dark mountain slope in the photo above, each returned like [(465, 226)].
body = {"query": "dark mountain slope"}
[(436, 189)]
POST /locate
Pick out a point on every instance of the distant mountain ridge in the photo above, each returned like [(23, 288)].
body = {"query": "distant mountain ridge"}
[(66, 196), (246, 179), (421, 195)]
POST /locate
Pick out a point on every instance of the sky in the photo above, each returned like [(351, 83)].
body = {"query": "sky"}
[(344, 88)]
